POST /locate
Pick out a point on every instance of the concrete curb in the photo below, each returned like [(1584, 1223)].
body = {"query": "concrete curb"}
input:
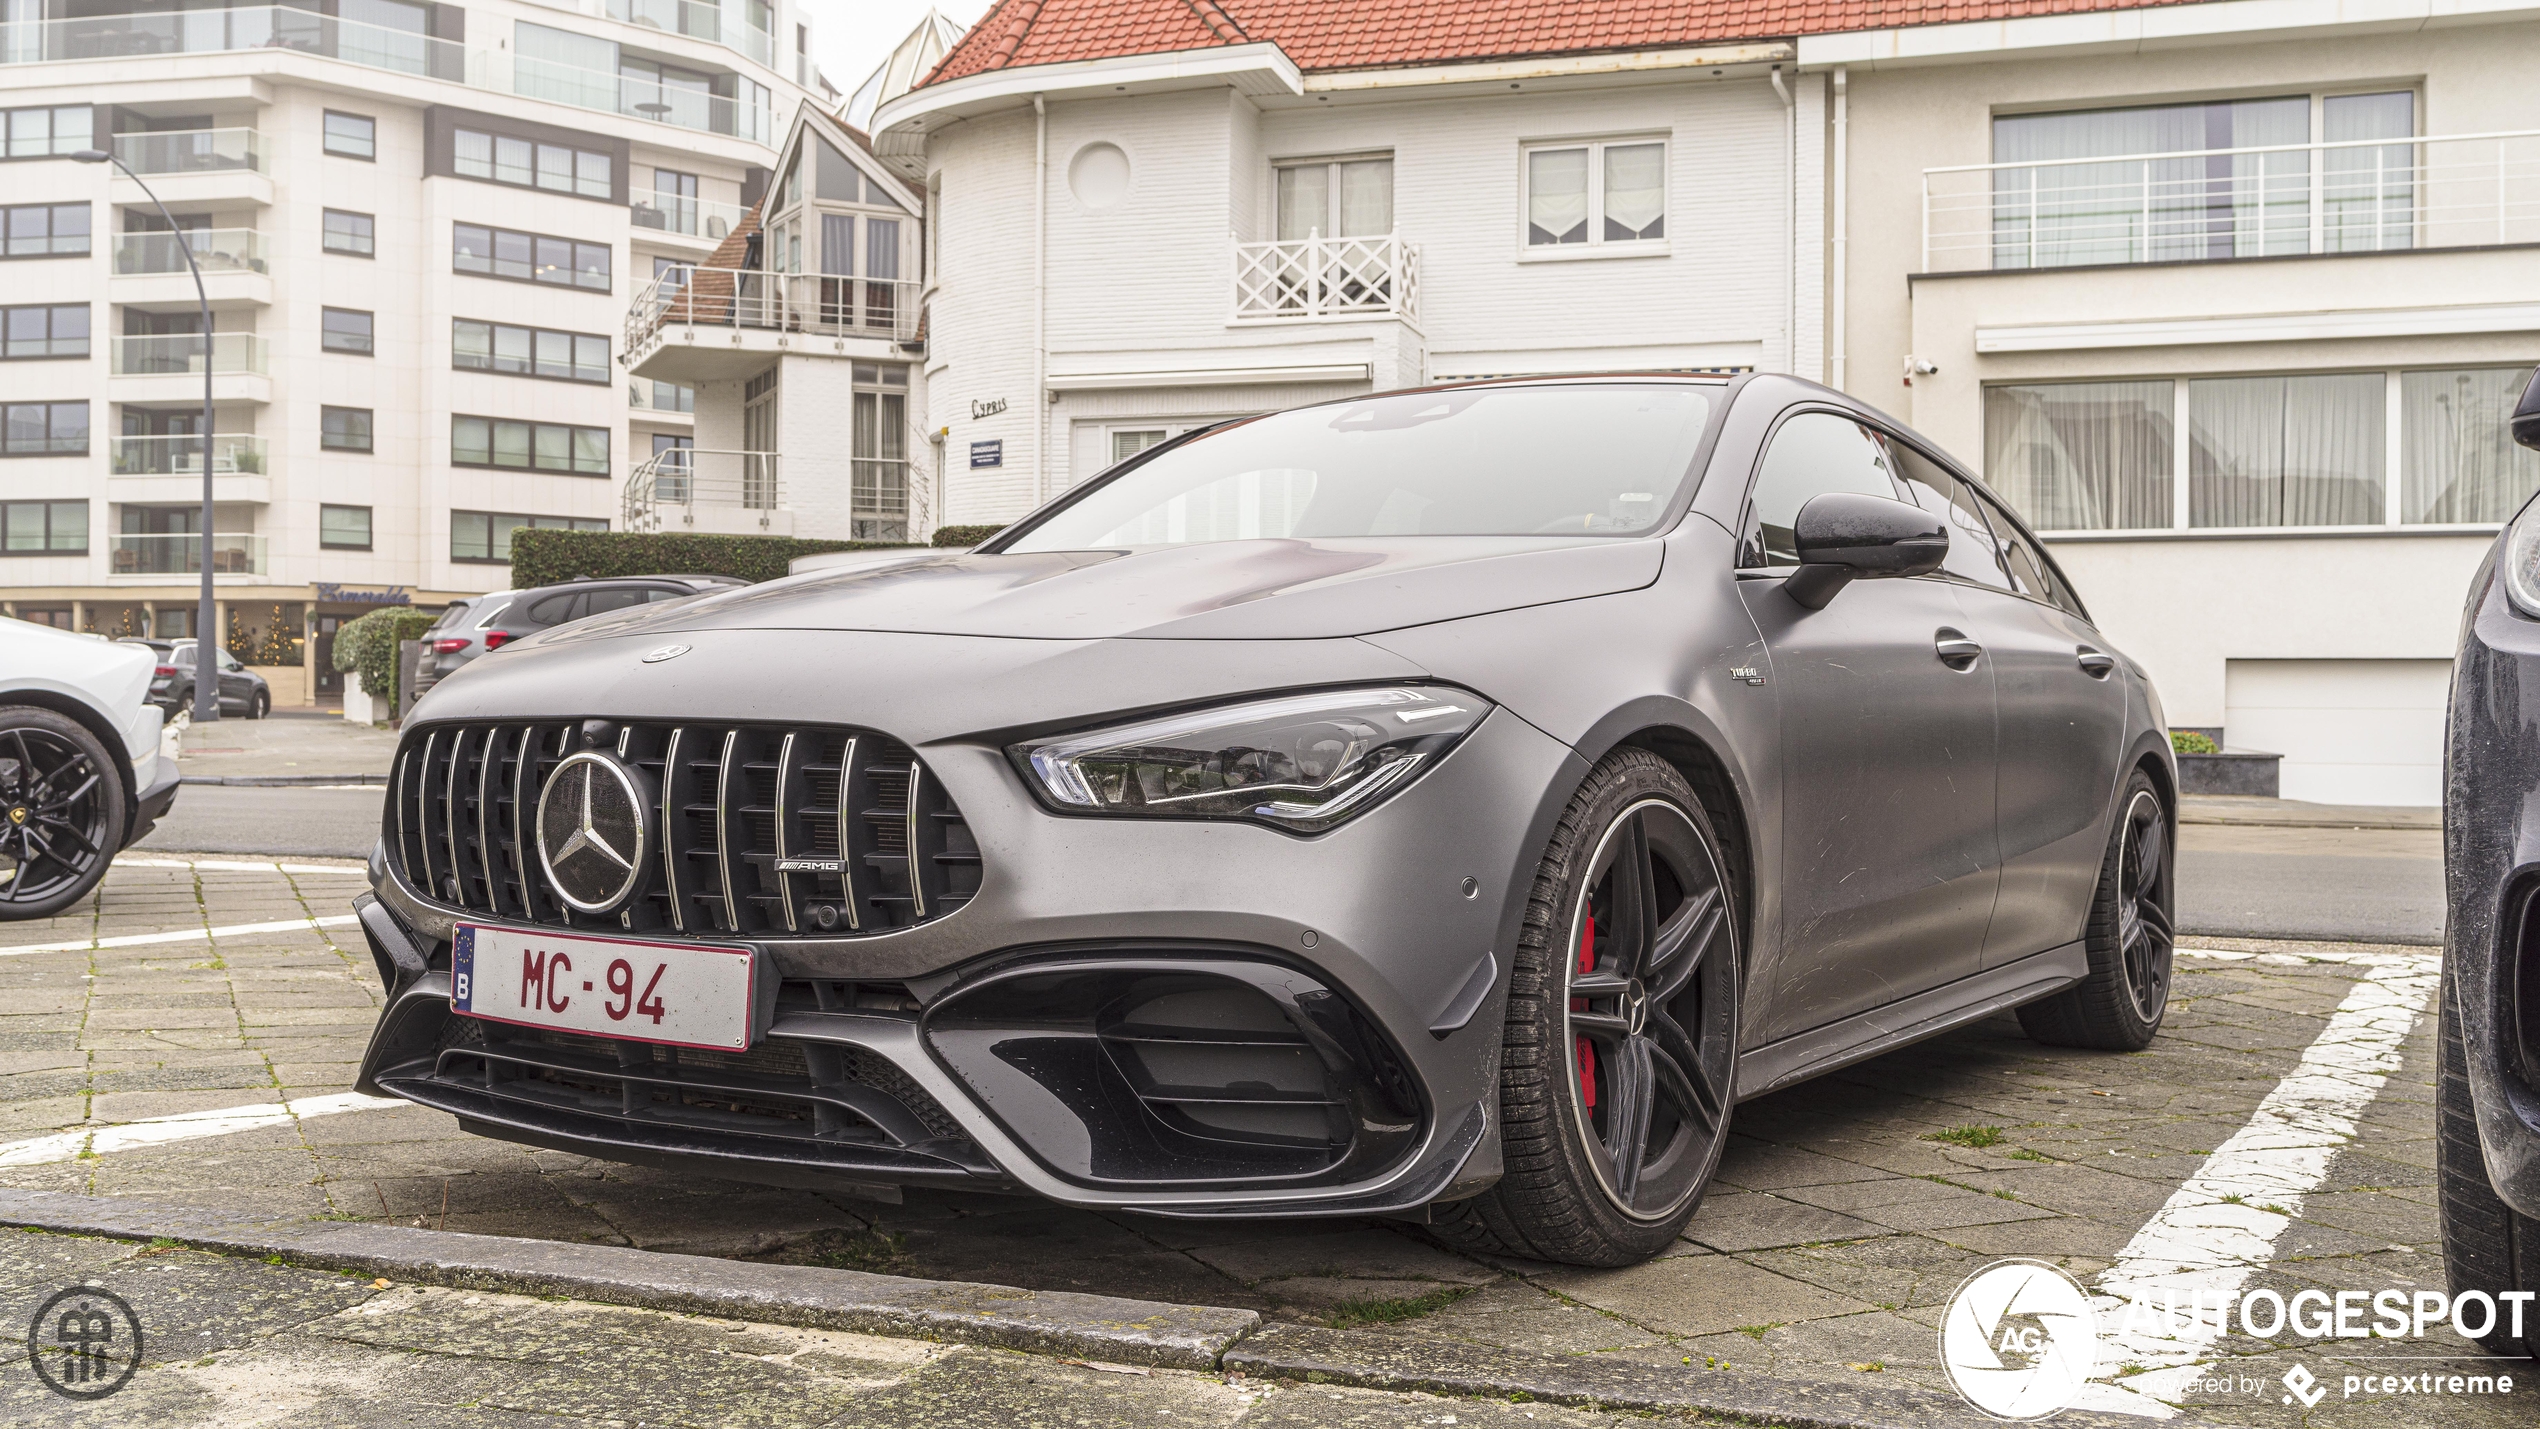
[(1377, 1360), (1079, 1326), (282, 780)]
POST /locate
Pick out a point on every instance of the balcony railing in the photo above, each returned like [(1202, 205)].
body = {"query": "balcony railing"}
[(780, 302), (283, 27), (216, 250), (233, 452), (234, 553), (704, 21), (193, 151), (645, 395), (667, 490), (2354, 196), (1315, 277), (677, 213), (879, 498), (158, 356)]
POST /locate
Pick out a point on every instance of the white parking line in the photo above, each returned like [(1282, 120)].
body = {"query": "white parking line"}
[(231, 866), (2220, 1227), (134, 940), (184, 1126)]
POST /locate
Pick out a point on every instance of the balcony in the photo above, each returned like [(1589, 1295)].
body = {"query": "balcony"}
[(234, 553), (2355, 196), (718, 492), (1315, 279), (662, 399), (703, 21), (213, 250), (671, 327), (282, 27), (689, 217), (233, 453), (238, 352), (195, 151)]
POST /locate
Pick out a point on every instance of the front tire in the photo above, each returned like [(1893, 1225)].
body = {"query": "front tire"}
[(260, 706), (1619, 1052), (2131, 938), (2487, 1245), (61, 812)]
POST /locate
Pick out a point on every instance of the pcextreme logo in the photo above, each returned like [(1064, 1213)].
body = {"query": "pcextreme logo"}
[(2018, 1340)]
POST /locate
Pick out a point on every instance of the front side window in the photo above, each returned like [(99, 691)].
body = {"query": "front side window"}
[(1974, 546), (1590, 195), (44, 429), (353, 136), (44, 230), (48, 331), (347, 232), (345, 330), (344, 528), (1811, 454), (1552, 460), (344, 429), (44, 528)]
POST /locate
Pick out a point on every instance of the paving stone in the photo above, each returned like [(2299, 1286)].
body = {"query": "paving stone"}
[(1371, 1254), (1698, 1297), (1754, 1221)]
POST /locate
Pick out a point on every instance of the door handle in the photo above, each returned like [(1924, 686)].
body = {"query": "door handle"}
[(2094, 663), (1954, 649)]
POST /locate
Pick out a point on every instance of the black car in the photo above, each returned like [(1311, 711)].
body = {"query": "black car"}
[(1446, 803), (478, 626), (242, 691), (2487, 1107)]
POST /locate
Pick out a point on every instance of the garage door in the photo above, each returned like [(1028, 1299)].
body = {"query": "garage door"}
[(2350, 731)]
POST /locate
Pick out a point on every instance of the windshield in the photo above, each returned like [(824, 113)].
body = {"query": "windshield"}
[(1575, 459)]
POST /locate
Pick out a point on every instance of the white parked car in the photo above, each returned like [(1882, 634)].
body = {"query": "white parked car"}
[(81, 776)]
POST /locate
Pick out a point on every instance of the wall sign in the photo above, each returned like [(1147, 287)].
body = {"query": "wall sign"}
[(987, 454), (346, 595), (980, 409)]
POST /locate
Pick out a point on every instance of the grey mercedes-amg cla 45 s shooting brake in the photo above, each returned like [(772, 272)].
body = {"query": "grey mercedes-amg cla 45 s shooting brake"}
[(1445, 804)]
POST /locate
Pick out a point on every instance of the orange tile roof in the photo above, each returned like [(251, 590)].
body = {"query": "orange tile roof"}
[(1361, 34)]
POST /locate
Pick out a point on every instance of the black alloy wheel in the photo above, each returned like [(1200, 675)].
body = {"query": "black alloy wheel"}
[(61, 812), (2130, 939), (1618, 1060)]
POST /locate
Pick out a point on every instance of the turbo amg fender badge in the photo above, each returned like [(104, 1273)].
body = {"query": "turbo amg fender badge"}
[(593, 831)]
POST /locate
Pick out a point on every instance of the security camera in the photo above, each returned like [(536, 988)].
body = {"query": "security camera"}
[(1920, 367)]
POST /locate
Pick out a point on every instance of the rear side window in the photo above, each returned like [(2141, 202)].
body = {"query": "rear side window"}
[(556, 609), (658, 595), (599, 601), (453, 616), (1811, 454), (492, 611)]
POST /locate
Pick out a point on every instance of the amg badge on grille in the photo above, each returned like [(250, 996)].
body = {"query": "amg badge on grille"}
[(811, 865), (594, 831)]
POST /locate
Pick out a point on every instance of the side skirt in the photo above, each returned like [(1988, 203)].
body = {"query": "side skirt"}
[(1926, 1014)]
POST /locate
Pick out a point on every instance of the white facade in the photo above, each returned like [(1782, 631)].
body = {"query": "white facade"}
[(2315, 621), (465, 114)]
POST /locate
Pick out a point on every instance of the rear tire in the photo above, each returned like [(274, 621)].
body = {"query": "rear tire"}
[(61, 812), (2129, 939), (2487, 1245), (260, 706), (1624, 993)]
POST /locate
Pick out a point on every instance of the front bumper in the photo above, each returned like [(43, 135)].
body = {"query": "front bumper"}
[(2491, 835), (1364, 932)]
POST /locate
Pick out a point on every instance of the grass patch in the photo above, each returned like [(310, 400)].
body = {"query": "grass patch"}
[(1756, 1332), (1350, 1314), (1974, 1137), (2235, 1199), (2024, 1154), (2000, 1194)]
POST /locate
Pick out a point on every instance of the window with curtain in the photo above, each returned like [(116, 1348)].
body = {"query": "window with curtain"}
[(1348, 198), (2459, 463), (2368, 192), (2286, 451), (1595, 194), (2082, 456)]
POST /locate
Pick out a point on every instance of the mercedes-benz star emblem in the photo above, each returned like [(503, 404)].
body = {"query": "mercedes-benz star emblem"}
[(667, 652), (593, 831)]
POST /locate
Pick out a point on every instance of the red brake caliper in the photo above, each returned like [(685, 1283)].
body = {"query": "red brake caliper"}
[(1587, 1051)]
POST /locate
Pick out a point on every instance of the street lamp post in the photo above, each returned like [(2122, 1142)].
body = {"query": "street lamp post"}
[(206, 632)]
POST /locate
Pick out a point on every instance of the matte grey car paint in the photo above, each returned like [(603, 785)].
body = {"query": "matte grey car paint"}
[(1855, 765)]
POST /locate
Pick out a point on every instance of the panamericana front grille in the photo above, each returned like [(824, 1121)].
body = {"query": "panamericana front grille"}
[(876, 842)]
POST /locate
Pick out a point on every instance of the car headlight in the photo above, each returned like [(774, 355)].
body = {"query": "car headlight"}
[(2522, 561), (1300, 762)]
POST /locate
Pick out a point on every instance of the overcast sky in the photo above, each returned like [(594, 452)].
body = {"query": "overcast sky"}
[(851, 36)]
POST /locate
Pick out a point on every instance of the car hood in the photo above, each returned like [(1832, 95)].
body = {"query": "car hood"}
[(1222, 590)]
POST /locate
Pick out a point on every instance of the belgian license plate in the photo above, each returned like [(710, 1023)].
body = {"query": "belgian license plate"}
[(679, 994)]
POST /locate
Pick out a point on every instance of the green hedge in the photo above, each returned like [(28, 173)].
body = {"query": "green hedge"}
[(552, 557), (369, 646), (964, 537), (2188, 741)]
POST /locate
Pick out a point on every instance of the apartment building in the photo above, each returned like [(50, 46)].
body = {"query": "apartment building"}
[(2231, 300), (419, 227)]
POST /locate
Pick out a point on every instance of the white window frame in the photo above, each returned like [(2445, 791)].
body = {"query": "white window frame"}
[(1331, 188), (2182, 435), (1597, 245)]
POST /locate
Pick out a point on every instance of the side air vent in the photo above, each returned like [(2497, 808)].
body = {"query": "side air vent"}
[(758, 831)]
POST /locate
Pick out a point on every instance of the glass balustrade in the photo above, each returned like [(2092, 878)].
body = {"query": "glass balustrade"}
[(215, 250), (232, 453), (234, 553), (183, 352), (194, 151)]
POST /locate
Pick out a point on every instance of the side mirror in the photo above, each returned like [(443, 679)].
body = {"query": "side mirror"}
[(1843, 536), (2526, 422)]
